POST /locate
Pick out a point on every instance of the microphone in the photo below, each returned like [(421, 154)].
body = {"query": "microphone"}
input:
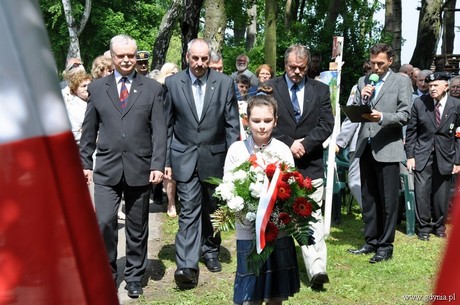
[(373, 79)]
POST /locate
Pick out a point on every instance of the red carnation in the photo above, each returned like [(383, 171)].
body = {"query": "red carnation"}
[(302, 207), (307, 183), (253, 160), (285, 218), (286, 176), (271, 232), (298, 177), (270, 170), (284, 190)]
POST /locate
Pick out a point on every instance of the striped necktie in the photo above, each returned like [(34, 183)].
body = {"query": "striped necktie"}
[(123, 93), (437, 112)]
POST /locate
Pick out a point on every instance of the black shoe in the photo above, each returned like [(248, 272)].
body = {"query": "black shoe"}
[(440, 234), (381, 256), (365, 249), (134, 289), (186, 278), (423, 236), (318, 280), (213, 264)]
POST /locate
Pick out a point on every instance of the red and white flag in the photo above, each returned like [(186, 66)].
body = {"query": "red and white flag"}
[(51, 251), (448, 283)]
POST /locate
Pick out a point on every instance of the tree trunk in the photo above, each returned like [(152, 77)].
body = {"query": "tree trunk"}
[(239, 22), (429, 28), (271, 9), (161, 44), (251, 30), (392, 29), (287, 14), (216, 21), (448, 35), (75, 28), (190, 25)]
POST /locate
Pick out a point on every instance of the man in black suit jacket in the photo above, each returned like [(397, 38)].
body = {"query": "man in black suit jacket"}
[(203, 121), (129, 133), (433, 152), (304, 127)]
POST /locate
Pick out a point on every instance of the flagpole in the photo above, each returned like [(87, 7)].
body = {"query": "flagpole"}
[(337, 51)]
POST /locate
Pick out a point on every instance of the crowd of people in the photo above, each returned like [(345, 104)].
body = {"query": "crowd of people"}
[(167, 131)]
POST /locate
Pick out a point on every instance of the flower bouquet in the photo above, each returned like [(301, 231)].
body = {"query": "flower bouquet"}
[(271, 196)]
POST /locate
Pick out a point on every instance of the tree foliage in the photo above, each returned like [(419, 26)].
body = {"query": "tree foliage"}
[(140, 19)]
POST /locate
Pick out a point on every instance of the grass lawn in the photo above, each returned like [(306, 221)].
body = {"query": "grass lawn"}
[(412, 271)]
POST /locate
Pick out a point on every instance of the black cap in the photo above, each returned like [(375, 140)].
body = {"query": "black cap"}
[(142, 55), (437, 76)]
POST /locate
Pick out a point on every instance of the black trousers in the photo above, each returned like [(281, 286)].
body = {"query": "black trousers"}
[(380, 194), (107, 201), (432, 194)]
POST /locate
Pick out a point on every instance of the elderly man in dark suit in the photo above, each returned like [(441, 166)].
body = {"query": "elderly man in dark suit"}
[(433, 152), (124, 120), (380, 149), (305, 122), (202, 118)]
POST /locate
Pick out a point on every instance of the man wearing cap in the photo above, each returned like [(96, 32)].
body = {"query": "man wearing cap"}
[(433, 153), (142, 64)]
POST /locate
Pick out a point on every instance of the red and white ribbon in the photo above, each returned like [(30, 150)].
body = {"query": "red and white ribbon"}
[(266, 203)]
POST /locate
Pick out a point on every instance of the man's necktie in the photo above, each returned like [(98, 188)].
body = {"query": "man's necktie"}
[(295, 102), (437, 112), (199, 96), (123, 93)]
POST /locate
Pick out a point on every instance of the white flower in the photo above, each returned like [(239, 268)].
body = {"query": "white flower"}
[(225, 191), (240, 175), (236, 203), (256, 189), (251, 216)]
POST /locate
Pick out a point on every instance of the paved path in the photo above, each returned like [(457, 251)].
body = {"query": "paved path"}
[(156, 215)]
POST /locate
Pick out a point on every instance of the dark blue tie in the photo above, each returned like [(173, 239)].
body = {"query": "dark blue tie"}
[(295, 102)]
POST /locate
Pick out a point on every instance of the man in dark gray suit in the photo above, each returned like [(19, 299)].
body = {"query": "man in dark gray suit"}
[(124, 119), (305, 122), (202, 118), (433, 152), (380, 149)]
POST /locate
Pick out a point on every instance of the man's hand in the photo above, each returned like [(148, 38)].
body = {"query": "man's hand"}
[(88, 175), (410, 164), (155, 177), (297, 149), (168, 173), (456, 169), (367, 92), (375, 116)]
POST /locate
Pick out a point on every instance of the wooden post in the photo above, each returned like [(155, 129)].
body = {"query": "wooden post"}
[(337, 50)]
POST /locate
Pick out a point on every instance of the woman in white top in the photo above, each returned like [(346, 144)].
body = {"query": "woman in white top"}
[(77, 100)]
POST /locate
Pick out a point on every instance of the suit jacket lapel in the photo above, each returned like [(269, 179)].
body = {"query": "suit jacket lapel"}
[(447, 111), (112, 91), (387, 84), (188, 93), (285, 96), (308, 95), (210, 88)]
